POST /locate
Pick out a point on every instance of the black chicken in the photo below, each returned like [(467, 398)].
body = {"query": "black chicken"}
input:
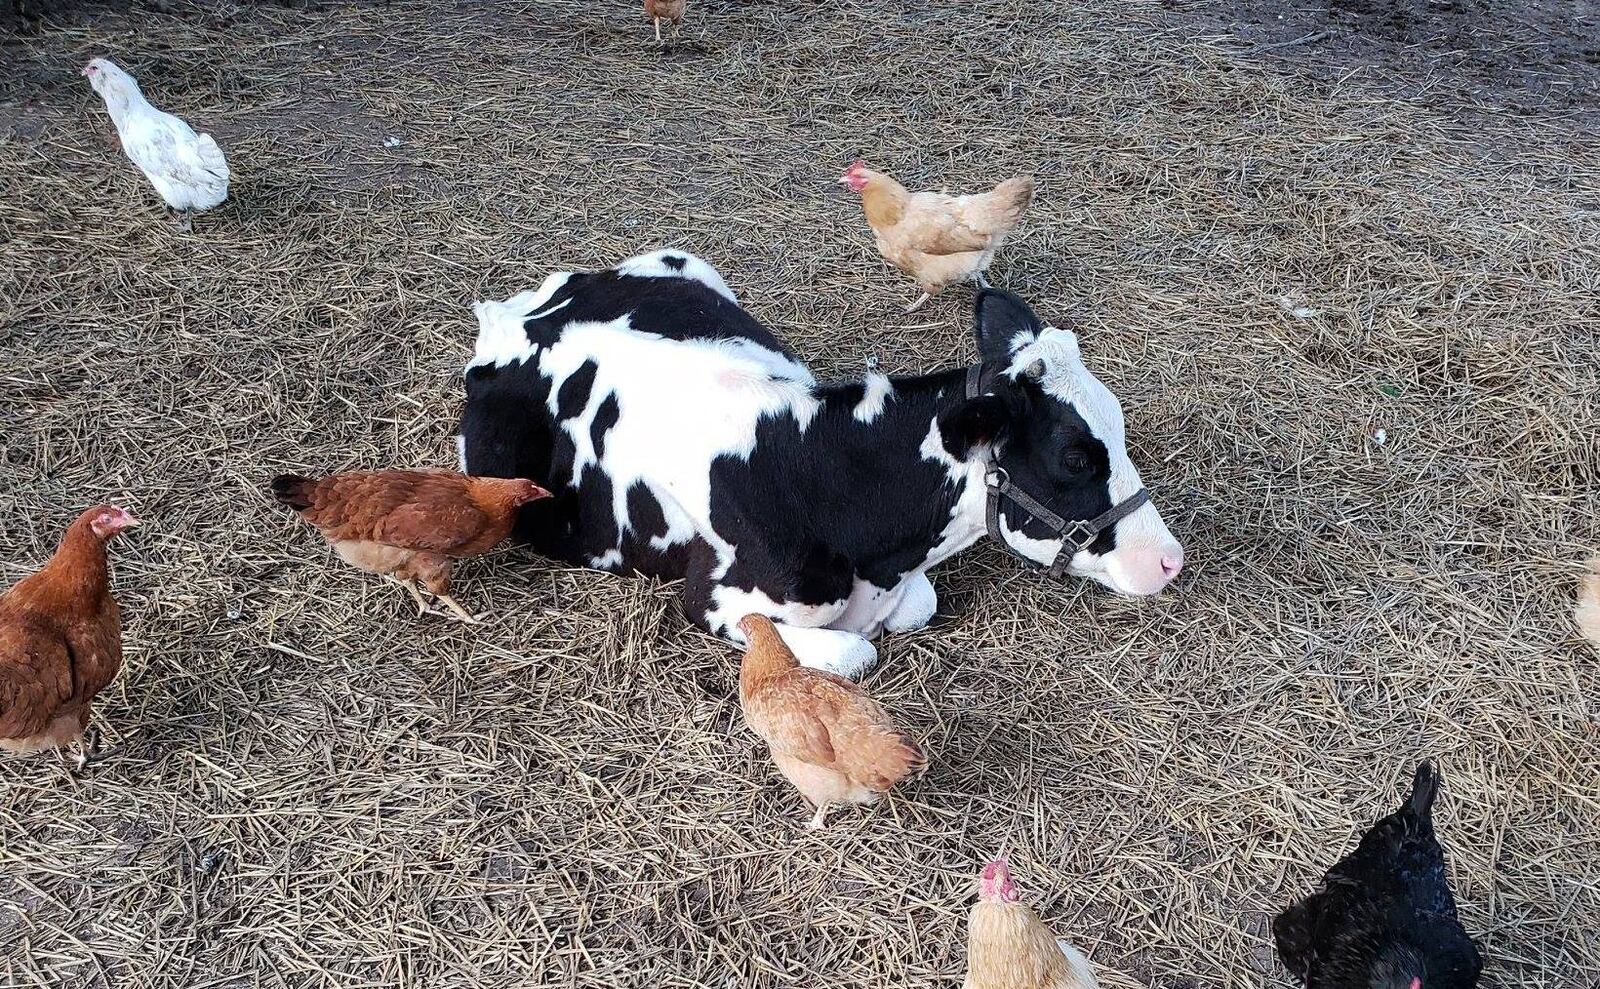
[(1385, 917)]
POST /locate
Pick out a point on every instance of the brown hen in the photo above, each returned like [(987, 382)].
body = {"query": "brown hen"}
[(61, 640), (827, 737), (935, 238), (410, 524), (665, 10)]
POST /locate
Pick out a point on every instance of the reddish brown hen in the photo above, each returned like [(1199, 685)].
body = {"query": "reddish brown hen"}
[(410, 524), (61, 640), (832, 741), (665, 10)]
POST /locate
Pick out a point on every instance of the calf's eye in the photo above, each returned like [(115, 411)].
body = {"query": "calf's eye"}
[(1075, 463)]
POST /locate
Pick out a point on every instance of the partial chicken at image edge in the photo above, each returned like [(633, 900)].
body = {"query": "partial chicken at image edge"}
[(187, 169), (1385, 916), (1008, 946), (61, 642), (1587, 611), (826, 736), (410, 525)]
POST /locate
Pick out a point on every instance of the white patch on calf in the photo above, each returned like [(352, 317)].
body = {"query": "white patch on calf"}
[(654, 265), (800, 625), (501, 335), (877, 390), (967, 522), (461, 452), (916, 606), (708, 396)]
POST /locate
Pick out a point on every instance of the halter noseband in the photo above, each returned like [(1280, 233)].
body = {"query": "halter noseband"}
[(1075, 533)]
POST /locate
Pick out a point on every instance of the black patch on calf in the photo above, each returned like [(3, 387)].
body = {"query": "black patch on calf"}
[(507, 433), (596, 530), (674, 308), (1054, 456), (645, 517), (573, 397), (647, 521), (604, 418), (809, 510), (673, 261)]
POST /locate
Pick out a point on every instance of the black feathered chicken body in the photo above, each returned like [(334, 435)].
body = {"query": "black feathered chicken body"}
[(1385, 917)]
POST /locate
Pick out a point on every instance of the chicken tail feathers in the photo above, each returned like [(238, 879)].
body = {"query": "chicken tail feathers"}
[(1587, 613), (1424, 790), (1013, 196), (906, 761), (1082, 971), (293, 490)]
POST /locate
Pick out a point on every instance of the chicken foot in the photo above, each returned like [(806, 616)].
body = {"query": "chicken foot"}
[(455, 606), (89, 751), (819, 818)]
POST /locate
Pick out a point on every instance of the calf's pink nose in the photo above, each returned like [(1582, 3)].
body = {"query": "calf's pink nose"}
[(1171, 564)]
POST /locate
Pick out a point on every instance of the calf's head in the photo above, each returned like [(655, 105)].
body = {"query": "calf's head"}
[(1057, 434)]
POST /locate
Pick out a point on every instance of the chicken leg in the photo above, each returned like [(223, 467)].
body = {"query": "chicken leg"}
[(819, 818), (416, 594)]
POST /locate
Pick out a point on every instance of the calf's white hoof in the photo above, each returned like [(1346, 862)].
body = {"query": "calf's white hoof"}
[(844, 653)]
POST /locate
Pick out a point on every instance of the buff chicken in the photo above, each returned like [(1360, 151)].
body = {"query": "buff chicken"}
[(935, 238), (827, 737)]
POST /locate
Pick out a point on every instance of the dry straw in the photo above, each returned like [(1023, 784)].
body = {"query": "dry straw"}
[(321, 789)]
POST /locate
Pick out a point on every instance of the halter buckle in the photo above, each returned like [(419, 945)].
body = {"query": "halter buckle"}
[(1078, 535)]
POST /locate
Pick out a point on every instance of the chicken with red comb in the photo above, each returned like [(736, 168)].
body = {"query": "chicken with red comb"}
[(935, 238), (1008, 947), (61, 640)]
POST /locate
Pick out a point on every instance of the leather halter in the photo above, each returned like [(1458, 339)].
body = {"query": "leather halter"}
[(1076, 534)]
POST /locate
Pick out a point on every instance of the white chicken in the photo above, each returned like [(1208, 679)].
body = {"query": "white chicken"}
[(186, 168)]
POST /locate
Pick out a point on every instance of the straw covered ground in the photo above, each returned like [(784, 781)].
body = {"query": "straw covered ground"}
[(1355, 335)]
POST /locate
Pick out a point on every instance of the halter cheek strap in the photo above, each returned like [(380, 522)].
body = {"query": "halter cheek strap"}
[(1076, 534)]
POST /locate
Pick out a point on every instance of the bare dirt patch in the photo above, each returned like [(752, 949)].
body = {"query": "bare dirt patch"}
[(1530, 57)]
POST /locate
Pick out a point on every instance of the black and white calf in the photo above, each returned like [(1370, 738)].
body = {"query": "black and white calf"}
[(682, 439)]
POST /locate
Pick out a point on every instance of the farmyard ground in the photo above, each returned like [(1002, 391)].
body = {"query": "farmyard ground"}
[(321, 789)]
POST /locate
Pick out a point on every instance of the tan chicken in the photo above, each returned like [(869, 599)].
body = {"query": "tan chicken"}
[(1009, 948), (410, 524), (1587, 613), (665, 10), (935, 238), (827, 737), (61, 641)]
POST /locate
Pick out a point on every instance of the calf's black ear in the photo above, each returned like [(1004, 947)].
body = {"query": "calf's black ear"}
[(975, 422), (1002, 322)]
